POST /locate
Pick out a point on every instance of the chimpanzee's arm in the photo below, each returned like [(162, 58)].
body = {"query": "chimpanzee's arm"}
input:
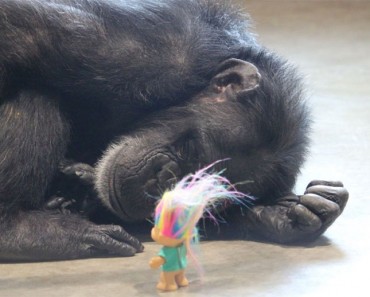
[(291, 219)]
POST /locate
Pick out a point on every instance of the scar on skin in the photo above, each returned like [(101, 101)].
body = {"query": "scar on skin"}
[(11, 113), (212, 100)]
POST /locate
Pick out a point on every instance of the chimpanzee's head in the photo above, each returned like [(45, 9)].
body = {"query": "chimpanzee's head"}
[(235, 117)]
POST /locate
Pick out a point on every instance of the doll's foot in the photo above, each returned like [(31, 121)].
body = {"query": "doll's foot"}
[(182, 281), (164, 287)]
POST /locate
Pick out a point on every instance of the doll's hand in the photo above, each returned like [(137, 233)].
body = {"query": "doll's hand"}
[(156, 262)]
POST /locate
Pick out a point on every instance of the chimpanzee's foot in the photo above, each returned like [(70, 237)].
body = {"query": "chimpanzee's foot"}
[(297, 218)]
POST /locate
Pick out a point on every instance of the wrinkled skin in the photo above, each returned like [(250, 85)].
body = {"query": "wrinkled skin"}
[(138, 95)]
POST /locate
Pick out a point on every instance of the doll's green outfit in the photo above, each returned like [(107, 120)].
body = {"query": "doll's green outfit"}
[(175, 258)]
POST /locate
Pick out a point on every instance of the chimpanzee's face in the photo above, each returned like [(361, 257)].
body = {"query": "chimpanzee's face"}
[(216, 124)]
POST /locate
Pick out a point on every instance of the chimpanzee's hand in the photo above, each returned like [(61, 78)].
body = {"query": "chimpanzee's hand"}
[(79, 171), (298, 218), (73, 190), (42, 235)]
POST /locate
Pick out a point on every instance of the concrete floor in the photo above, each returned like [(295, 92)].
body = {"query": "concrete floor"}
[(330, 42)]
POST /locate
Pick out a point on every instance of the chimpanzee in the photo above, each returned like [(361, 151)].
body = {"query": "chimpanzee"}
[(146, 92)]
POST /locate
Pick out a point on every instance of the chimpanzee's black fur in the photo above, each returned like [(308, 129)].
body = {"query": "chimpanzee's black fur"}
[(163, 87)]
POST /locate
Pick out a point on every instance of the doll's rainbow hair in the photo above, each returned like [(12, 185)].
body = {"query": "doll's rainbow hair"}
[(193, 197)]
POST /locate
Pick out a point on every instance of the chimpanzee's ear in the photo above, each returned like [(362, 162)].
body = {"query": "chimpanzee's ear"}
[(234, 76)]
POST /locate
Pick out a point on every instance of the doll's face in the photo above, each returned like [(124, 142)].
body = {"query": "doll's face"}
[(158, 237)]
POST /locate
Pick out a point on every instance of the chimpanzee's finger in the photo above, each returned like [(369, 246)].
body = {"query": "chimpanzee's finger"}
[(339, 195), (325, 183), (105, 244), (304, 219), (118, 233), (322, 207)]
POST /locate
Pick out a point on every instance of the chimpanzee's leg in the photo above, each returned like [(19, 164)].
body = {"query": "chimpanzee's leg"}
[(33, 138)]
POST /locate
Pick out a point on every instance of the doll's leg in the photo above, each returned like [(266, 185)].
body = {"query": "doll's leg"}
[(167, 281), (161, 284), (181, 279)]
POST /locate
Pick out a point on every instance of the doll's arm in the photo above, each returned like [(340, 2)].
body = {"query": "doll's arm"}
[(156, 262)]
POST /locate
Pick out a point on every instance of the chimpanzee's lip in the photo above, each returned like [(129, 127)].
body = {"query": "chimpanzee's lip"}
[(125, 182), (117, 204), (111, 173), (124, 205), (114, 193)]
